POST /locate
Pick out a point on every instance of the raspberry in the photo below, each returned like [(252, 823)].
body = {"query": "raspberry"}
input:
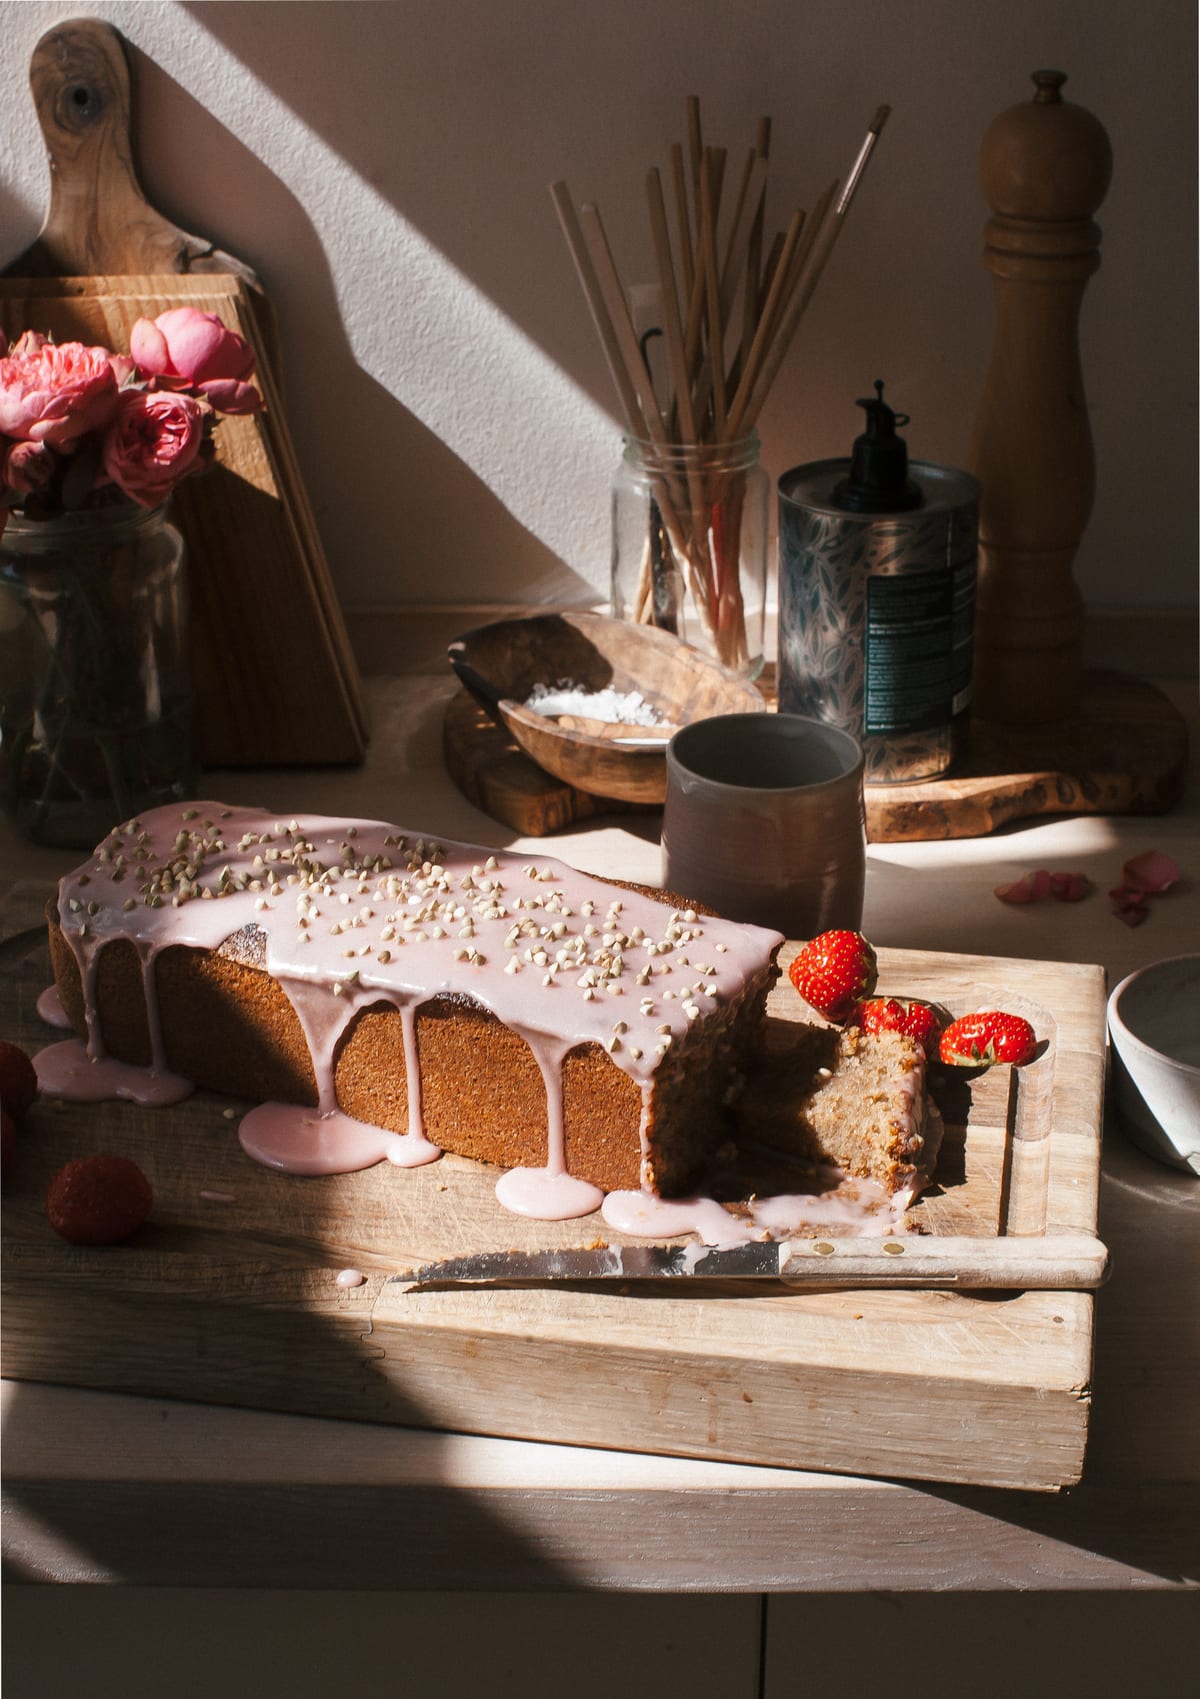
[(98, 1200)]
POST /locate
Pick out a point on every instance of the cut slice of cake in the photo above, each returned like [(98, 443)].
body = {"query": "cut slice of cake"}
[(855, 1099)]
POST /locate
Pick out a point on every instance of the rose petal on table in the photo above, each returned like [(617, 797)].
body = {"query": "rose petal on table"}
[(1033, 888), (1069, 887), (1037, 886), (1129, 904), (1020, 891), (1151, 871)]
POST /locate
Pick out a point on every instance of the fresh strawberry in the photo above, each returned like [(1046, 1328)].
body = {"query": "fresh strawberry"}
[(833, 971), (18, 1080), (977, 1041), (900, 1014), (98, 1200)]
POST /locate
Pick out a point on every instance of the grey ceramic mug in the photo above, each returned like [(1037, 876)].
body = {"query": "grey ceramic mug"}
[(764, 821)]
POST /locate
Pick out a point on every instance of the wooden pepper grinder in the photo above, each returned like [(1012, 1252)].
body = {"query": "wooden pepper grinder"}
[(1045, 167)]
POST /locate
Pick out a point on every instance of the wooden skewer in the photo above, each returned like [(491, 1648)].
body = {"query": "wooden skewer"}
[(769, 316), (682, 221), (737, 250), (614, 299), (674, 326), (695, 145), (630, 406), (712, 290), (825, 233), (618, 312), (780, 327)]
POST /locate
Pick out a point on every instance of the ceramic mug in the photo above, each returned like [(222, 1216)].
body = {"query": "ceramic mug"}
[(764, 822)]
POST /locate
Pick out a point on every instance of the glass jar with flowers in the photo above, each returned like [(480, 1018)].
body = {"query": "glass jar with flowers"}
[(95, 690)]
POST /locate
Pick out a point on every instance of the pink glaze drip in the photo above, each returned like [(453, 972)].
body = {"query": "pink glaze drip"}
[(295, 1140), (849, 1208), (50, 1009), (67, 1070), (412, 1070), (644, 1215), (547, 1195)]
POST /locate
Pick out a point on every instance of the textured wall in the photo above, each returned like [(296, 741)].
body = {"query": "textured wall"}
[(385, 167)]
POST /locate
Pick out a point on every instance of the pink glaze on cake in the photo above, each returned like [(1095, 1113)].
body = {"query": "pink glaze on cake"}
[(357, 912)]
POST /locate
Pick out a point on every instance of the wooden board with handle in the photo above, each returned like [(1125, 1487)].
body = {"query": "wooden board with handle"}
[(250, 1287), (275, 676), (1123, 751)]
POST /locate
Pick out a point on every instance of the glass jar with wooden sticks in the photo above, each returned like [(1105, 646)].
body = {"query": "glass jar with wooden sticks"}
[(689, 545), (689, 521)]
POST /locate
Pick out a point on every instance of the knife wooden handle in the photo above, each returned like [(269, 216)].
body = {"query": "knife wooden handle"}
[(1067, 1261)]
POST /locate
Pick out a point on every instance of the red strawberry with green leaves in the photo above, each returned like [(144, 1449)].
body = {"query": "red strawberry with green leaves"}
[(98, 1200), (980, 1040), (900, 1014), (834, 971), (18, 1079)]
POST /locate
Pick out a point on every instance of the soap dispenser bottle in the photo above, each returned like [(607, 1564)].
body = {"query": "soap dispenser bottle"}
[(877, 566)]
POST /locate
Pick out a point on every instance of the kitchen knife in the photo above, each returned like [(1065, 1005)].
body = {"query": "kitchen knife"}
[(1064, 1261)]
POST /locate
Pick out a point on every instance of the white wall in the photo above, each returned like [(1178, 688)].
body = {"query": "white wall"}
[(385, 167)]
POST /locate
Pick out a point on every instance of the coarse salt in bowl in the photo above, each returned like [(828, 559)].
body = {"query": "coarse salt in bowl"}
[(1154, 1031)]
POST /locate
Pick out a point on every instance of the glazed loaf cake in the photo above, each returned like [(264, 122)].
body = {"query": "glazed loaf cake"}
[(509, 1010)]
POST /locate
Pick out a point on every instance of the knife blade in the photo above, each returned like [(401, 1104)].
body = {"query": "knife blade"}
[(1063, 1261)]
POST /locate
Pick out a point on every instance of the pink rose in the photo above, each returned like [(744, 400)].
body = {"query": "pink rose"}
[(26, 466), (54, 392), (154, 440), (185, 346)]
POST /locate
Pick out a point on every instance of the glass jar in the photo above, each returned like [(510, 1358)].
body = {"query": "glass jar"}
[(95, 678), (689, 545)]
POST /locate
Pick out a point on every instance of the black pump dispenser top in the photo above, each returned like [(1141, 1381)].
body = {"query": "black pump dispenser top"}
[(878, 481)]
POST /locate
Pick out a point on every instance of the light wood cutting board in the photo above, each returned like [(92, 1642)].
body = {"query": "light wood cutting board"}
[(276, 680), (230, 1294)]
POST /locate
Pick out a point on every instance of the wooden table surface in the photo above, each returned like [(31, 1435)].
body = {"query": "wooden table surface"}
[(137, 1491)]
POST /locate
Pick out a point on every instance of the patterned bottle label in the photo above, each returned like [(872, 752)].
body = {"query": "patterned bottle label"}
[(917, 643)]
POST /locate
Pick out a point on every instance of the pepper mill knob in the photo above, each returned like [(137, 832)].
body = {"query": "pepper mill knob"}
[(1045, 167)]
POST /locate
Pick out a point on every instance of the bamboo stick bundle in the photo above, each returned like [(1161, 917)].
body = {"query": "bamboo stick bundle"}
[(729, 317)]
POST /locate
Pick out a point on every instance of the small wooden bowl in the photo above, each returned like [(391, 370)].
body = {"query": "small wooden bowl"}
[(501, 663)]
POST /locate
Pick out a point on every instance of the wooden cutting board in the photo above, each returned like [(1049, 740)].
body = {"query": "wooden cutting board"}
[(276, 680), (231, 1293), (1124, 751)]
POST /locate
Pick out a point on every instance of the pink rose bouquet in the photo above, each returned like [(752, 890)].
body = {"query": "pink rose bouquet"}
[(87, 427)]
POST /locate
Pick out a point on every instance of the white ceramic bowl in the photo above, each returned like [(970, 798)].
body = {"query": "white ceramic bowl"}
[(1154, 1029)]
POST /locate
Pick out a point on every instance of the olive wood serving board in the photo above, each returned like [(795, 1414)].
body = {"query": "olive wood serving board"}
[(1124, 751), (276, 681), (230, 1292)]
